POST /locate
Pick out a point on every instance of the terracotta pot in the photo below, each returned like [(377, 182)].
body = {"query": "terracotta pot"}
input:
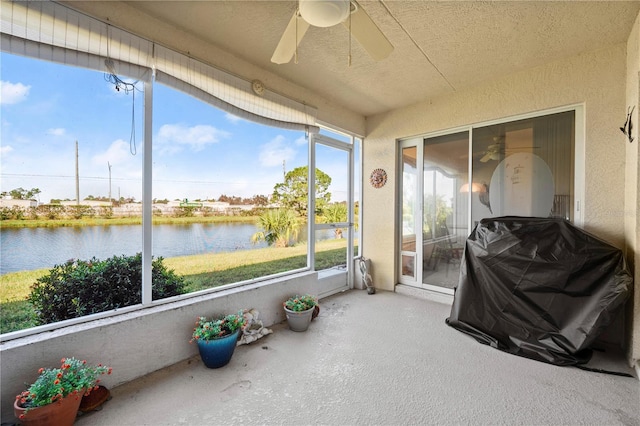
[(60, 413), (94, 401)]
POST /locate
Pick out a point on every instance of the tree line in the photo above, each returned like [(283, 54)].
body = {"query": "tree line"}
[(31, 194), (280, 225)]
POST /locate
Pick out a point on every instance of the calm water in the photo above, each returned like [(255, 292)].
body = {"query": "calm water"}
[(35, 248)]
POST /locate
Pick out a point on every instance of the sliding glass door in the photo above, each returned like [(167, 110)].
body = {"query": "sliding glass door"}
[(445, 211), (434, 210), (451, 181)]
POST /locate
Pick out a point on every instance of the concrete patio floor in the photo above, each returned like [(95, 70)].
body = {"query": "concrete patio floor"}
[(376, 359)]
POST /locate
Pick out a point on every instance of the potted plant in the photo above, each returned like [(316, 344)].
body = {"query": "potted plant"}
[(216, 338), (54, 398), (300, 311)]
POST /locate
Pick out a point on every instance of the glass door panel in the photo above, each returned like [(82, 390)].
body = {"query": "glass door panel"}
[(409, 206), (331, 227), (332, 207), (525, 168), (445, 207), (330, 249), (332, 185)]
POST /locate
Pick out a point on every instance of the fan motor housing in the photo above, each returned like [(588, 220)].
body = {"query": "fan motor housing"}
[(324, 13)]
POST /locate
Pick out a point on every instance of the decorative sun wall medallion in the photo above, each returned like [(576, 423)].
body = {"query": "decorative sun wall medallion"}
[(258, 87), (378, 178)]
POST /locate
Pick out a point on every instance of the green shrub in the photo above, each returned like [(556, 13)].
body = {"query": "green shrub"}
[(6, 213), (206, 211), (32, 213), (80, 211), (52, 211), (184, 211), (105, 212), (77, 287), (13, 212)]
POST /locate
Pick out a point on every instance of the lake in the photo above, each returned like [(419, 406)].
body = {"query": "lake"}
[(34, 248)]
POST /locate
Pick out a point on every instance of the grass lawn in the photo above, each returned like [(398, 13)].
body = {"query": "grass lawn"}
[(200, 272)]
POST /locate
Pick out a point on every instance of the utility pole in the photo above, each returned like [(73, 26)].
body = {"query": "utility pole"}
[(77, 178), (110, 201), (284, 171)]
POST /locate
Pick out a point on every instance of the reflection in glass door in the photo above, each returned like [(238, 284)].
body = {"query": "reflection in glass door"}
[(525, 167), (435, 209), (445, 211)]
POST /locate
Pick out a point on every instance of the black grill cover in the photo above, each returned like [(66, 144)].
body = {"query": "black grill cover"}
[(538, 288)]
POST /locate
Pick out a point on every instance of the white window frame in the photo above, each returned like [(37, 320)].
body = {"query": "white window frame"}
[(54, 32)]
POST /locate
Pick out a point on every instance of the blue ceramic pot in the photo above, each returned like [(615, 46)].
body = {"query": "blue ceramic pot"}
[(217, 353)]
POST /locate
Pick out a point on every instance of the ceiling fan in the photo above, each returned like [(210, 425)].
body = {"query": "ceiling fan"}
[(492, 152), (327, 13), (496, 149)]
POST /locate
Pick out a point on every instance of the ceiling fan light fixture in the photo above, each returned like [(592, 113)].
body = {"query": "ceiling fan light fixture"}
[(324, 13), (475, 187)]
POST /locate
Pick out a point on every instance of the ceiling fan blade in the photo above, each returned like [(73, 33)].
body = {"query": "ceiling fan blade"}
[(488, 156), (288, 42), (368, 34)]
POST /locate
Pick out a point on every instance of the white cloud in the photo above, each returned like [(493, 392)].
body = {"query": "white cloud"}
[(174, 136), (302, 140), (126, 172), (234, 119), (13, 93), (119, 156), (56, 132), (4, 150), (273, 153)]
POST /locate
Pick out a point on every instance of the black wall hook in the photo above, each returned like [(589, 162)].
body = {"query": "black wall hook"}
[(628, 125)]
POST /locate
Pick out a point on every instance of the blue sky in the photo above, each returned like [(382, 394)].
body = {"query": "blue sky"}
[(199, 151)]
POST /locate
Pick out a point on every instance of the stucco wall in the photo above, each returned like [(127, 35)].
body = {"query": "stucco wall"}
[(140, 342), (632, 183), (596, 80)]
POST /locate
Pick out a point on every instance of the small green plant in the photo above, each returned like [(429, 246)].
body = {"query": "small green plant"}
[(210, 329), (73, 377), (300, 303)]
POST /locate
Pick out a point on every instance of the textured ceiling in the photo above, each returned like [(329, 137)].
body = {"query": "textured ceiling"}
[(440, 47)]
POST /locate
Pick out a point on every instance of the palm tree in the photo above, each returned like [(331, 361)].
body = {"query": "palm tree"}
[(280, 227), (334, 213)]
